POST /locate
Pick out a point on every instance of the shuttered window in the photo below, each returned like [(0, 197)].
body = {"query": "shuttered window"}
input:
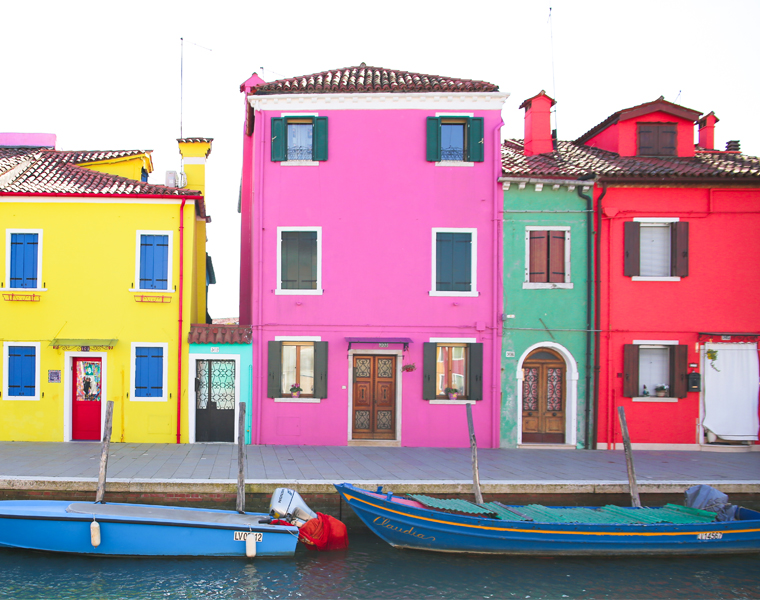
[(303, 363), (22, 371), (656, 249), (453, 262), (452, 365), (299, 138), (651, 366), (547, 256), (154, 262), (24, 260), (455, 139), (149, 372), (657, 139), (298, 260)]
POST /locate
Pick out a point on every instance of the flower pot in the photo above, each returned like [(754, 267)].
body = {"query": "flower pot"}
[(661, 393), (296, 394), (452, 396)]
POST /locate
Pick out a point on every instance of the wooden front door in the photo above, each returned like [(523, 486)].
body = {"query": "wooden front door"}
[(215, 400), (543, 400), (374, 405), (87, 380)]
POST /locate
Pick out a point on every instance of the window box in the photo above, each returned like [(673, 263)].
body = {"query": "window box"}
[(455, 140), (452, 365), (656, 249), (299, 138), (647, 365), (547, 258), (297, 362)]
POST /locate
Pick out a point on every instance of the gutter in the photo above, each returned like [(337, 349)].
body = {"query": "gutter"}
[(179, 320), (498, 290)]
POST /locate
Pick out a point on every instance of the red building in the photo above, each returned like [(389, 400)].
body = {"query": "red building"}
[(677, 263)]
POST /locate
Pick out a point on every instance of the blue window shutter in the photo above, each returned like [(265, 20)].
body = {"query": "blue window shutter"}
[(24, 260), (154, 262), (21, 367), (319, 149), (156, 370), (433, 139), (475, 139), (279, 150), (462, 262), (141, 372), (444, 262), (149, 372), (146, 262)]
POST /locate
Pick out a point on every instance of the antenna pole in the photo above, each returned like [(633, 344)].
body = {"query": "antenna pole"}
[(554, 85), (181, 82)]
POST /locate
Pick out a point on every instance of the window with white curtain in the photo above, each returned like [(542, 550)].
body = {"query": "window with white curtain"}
[(655, 250)]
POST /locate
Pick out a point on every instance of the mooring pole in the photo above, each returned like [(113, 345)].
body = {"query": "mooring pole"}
[(241, 460), (635, 501), (474, 446), (101, 491)]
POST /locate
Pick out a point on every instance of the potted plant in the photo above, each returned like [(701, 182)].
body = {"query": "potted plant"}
[(451, 393), (409, 367), (661, 390), (295, 390)]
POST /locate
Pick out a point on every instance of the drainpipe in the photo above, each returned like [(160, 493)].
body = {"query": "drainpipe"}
[(597, 302), (589, 304), (179, 320), (258, 227), (498, 269)]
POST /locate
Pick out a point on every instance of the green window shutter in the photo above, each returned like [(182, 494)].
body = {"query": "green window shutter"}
[(319, 149), (320, 369), (433, 139), (475, 372), (428, 370), (274, 370), (279, 149), (475, 139)]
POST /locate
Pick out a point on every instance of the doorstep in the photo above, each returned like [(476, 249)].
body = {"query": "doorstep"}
[(375, 443), (547, 446)]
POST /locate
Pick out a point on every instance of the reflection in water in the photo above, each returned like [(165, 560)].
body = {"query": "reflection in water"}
[(372, 569)]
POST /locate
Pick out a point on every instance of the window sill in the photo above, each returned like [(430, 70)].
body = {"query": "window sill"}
[(23, 290), (299, 163), (445, 401), (299, 400), (137, 291), (141, 399), (454, 163), (298, 292), (455, 294), (21, 399), (532, 285), (638, 278), (654, 399)]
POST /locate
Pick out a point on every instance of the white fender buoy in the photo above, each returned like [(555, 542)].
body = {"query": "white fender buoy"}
[(250, 546), (95, 533)]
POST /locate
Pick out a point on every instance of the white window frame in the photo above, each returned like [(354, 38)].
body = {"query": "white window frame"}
[(654, 344), (534, 285), (133, 371), (283, 292), (38, 287), (298, 163), (473, 231), (447, 341), (170, 262), (6, 371), (298, 338), (654, 222), (455, 163)]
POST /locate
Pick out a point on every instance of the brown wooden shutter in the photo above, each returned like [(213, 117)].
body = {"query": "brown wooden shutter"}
[(667, 137), (679, 247), (678, 376), (539, 256), (556, 256), (630, 370), (632, 231), (647, 139)]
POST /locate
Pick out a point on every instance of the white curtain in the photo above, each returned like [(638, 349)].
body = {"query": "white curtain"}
[(731, 390)]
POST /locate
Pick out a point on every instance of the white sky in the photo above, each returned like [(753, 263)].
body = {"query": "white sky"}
[(106, 75)]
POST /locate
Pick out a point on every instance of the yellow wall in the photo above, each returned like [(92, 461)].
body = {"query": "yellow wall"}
[(88, 268), (129, 167)]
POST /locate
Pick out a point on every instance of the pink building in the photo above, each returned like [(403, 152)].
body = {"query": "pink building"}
[(370, 267)]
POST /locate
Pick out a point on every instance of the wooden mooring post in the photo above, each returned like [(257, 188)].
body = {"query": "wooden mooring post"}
[(101, 491), (240, 507), (474, 446), (635, 501)]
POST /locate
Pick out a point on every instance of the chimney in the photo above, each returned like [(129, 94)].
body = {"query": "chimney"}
[(194, 152), (733, 146), (538, 129), (707, 131)]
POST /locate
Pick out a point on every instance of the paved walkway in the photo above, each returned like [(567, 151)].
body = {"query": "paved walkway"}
[(269, 466)]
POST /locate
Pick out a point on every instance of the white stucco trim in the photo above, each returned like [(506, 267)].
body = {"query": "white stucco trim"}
[(640, 278), (571, 392), (529, 285), (385, 101), (298, 338), (473, 231), (67, 383), (656, 220), (399, 354), (133, 371), (278, 290), (454, 163), (169, 264), (6, 372), (191, 396)]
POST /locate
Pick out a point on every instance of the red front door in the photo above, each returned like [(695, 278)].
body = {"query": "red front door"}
[(85, 397)]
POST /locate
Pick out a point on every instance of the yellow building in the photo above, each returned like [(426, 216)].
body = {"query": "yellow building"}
[(102, 276)]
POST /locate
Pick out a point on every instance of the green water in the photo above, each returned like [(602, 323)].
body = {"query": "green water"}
[(372, 569)]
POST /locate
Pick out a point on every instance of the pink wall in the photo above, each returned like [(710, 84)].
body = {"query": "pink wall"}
[(713, 298), (377, 200)]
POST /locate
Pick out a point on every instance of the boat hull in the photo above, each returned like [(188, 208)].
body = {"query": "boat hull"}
[(139, 530), (408, 526)]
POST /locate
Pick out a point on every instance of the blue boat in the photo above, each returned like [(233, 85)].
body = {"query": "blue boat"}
[(140, 530), (451, 525)]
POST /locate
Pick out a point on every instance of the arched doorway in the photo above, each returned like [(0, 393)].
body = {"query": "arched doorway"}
[(544, 395)]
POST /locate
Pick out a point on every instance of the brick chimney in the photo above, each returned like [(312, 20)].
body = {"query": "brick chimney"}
[(538, 129), (707, 131)]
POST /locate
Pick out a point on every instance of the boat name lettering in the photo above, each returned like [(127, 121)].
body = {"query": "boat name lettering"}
[(241, 536), (710, 535), (383, 522)]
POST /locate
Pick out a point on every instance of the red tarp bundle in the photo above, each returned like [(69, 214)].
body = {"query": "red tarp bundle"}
[(324, 533)]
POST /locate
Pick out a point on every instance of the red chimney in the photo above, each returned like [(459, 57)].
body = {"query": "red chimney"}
[(538, 129), (707, 131)]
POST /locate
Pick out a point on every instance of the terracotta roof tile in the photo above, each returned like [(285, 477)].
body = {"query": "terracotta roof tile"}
[(571, 160), (220, 334), (371, 80)]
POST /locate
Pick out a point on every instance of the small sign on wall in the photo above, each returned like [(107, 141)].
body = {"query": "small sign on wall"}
[(510, 354), (215, 349), (54, 377)]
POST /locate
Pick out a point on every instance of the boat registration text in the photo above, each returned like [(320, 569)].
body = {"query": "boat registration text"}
[(241, 536), (710, 535)]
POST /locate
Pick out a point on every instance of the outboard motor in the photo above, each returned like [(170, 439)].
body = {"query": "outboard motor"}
[(287, 504)]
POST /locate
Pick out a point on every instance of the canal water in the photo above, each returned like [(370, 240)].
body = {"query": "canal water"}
[(371, 569)]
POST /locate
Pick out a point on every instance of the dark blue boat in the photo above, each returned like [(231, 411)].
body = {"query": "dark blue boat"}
[(494, 528)]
